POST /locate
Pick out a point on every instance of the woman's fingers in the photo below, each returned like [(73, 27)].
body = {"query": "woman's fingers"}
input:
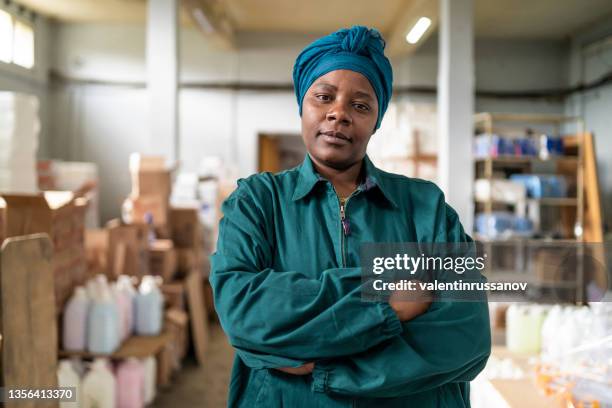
[(301, 370)]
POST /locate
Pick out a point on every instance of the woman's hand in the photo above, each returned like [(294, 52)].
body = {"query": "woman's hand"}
[(409, 306), (301, 370)]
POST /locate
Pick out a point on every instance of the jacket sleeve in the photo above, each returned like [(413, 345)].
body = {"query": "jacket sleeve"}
[(451, 342), (272, 317)]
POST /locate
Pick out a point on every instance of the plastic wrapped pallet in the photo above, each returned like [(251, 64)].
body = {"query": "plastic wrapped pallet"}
[(19, 129)]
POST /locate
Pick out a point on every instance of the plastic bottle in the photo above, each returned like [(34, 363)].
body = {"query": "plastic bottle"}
[(99, 388), (130, 384), (103, 323), (150, 379), (124, 284), (149, 304), (524, 327), (68, 377), (74, 336)]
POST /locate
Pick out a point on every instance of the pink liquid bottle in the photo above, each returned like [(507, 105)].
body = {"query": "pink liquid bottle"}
[(130, 384)]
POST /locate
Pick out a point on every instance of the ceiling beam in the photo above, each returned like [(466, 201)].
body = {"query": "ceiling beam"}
[(412, 11)]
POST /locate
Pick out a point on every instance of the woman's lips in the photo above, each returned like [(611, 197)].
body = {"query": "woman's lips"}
[(335, 138)]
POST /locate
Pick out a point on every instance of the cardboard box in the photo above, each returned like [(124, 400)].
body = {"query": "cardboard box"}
[(174, 295), (156, 205), (128, 249), (175, 323), (62, 217), (185, 227), (152, 183), (150, 176), (189, 260), (96, 251), (2, 218), (162, 259)]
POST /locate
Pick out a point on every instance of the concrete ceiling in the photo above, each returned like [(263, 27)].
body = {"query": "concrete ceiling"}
[(541, 19)]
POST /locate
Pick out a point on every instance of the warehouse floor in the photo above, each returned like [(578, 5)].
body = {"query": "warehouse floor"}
[(205, 386)]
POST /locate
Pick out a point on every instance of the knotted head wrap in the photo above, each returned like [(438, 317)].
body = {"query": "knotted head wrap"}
[(358, 49)]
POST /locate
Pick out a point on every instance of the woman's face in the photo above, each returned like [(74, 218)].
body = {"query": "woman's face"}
[(339, 114)]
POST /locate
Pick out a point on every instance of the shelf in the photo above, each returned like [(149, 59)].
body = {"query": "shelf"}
[(555, 201), (546, 201), (514, 160), (135, 346), (524, 117), (524, 240), (515, 277)]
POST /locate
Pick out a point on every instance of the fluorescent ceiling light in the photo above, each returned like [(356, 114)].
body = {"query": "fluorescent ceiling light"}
[(418, 30), (203, 21)]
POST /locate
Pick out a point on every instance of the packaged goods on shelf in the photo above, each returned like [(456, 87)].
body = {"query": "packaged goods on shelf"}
[(542, 185), (486, 145), (499, 190), (500, 224)]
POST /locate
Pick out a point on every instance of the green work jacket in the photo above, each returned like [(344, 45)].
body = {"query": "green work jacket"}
[(286, 280)]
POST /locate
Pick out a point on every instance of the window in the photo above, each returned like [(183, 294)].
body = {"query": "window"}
[(6, 37), (23, 45), (16, 41)]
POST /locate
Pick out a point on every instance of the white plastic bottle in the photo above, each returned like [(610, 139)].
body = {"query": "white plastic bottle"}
[(99, 388), (68, 377), (150, 380), (74, 336)]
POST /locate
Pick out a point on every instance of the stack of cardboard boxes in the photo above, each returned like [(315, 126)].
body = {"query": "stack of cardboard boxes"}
[(62, 216), (187, 234), (151, 185)]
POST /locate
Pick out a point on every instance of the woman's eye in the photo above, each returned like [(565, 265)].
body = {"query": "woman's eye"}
[(361, 107), (323, 97)]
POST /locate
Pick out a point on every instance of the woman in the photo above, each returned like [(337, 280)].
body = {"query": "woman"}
[(286, 275)]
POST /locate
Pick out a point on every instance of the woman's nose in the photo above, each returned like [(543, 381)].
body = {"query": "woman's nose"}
[(338, 113)]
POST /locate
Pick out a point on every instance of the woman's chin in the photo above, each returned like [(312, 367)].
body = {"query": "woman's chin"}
[(333, 158)]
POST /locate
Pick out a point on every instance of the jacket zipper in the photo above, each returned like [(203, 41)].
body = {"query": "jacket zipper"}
[(345, 228)]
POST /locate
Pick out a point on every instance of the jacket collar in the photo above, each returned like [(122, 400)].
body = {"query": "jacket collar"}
[(308, 178)]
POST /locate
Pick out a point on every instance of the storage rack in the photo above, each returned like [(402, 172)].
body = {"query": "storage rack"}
[(485, 167)]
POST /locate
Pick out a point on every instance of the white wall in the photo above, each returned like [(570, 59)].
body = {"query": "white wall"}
[(104, 122), (595, 106)]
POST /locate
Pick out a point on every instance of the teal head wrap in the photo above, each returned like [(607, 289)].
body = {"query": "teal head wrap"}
[(358, 49)]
